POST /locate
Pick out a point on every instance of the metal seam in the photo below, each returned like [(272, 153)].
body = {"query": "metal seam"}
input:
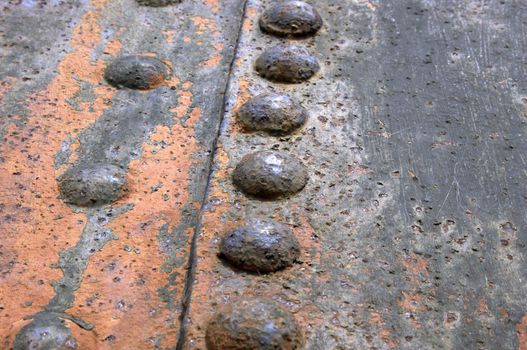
[(189, 280)]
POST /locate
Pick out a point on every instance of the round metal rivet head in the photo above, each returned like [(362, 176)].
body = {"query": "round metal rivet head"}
[(253, 324), (287, 64), (295, 18), (45, 334), (158, 3), (273, 113), (261, 245), (270, 174), (137, 72), (91, 185)]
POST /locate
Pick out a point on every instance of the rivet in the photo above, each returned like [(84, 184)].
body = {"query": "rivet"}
[(158, 3), (273, 113), (137, 72), (49, 333), (287, 63), (92, 184), (253, 323), (270, 174), (261, 245), (295, 18)]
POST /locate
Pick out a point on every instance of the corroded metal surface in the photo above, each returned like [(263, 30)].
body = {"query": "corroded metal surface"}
[(118, 268), (412, 225), (409, 233)]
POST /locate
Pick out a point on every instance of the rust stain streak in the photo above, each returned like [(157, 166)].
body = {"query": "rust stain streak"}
[(215, 60), (248, 24), (521, 330), (214, 5), (384, 333), (169, 36)]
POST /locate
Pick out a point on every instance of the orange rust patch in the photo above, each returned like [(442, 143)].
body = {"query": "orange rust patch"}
[(214, 5), (483, 308), (412, 299), (242, 97), (416, 264), (203, 24), (306, 237), (309, 317), (521, 330), (215, 60), (185, 100), (169, 36), (384, 333), (149, 54), (411, 302), (113, 47), (37, 224), (250, 16), (243, 94), (356, 170)]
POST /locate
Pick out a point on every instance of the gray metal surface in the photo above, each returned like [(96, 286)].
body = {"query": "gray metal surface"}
[(412, 224)]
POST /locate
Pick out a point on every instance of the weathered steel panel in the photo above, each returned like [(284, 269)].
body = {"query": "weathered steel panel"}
[(412, 225), (122, 267)]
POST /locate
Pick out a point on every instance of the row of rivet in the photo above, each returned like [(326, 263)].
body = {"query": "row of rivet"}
[(264, 245), (94, 184)]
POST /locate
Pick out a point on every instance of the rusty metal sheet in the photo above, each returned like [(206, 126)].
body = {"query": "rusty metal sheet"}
[(410, 230), (114, 273), (412, 225)]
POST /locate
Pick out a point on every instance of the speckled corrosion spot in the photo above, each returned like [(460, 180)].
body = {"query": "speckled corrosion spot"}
[(295, 18), (253, 324), (93, 184), (261, 245), (137, 72), (273, 113), (49, 333), (270, 174), (287, 64), (158, 3)]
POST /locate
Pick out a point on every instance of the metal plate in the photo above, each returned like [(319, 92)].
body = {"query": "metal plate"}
[(412, 224)]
